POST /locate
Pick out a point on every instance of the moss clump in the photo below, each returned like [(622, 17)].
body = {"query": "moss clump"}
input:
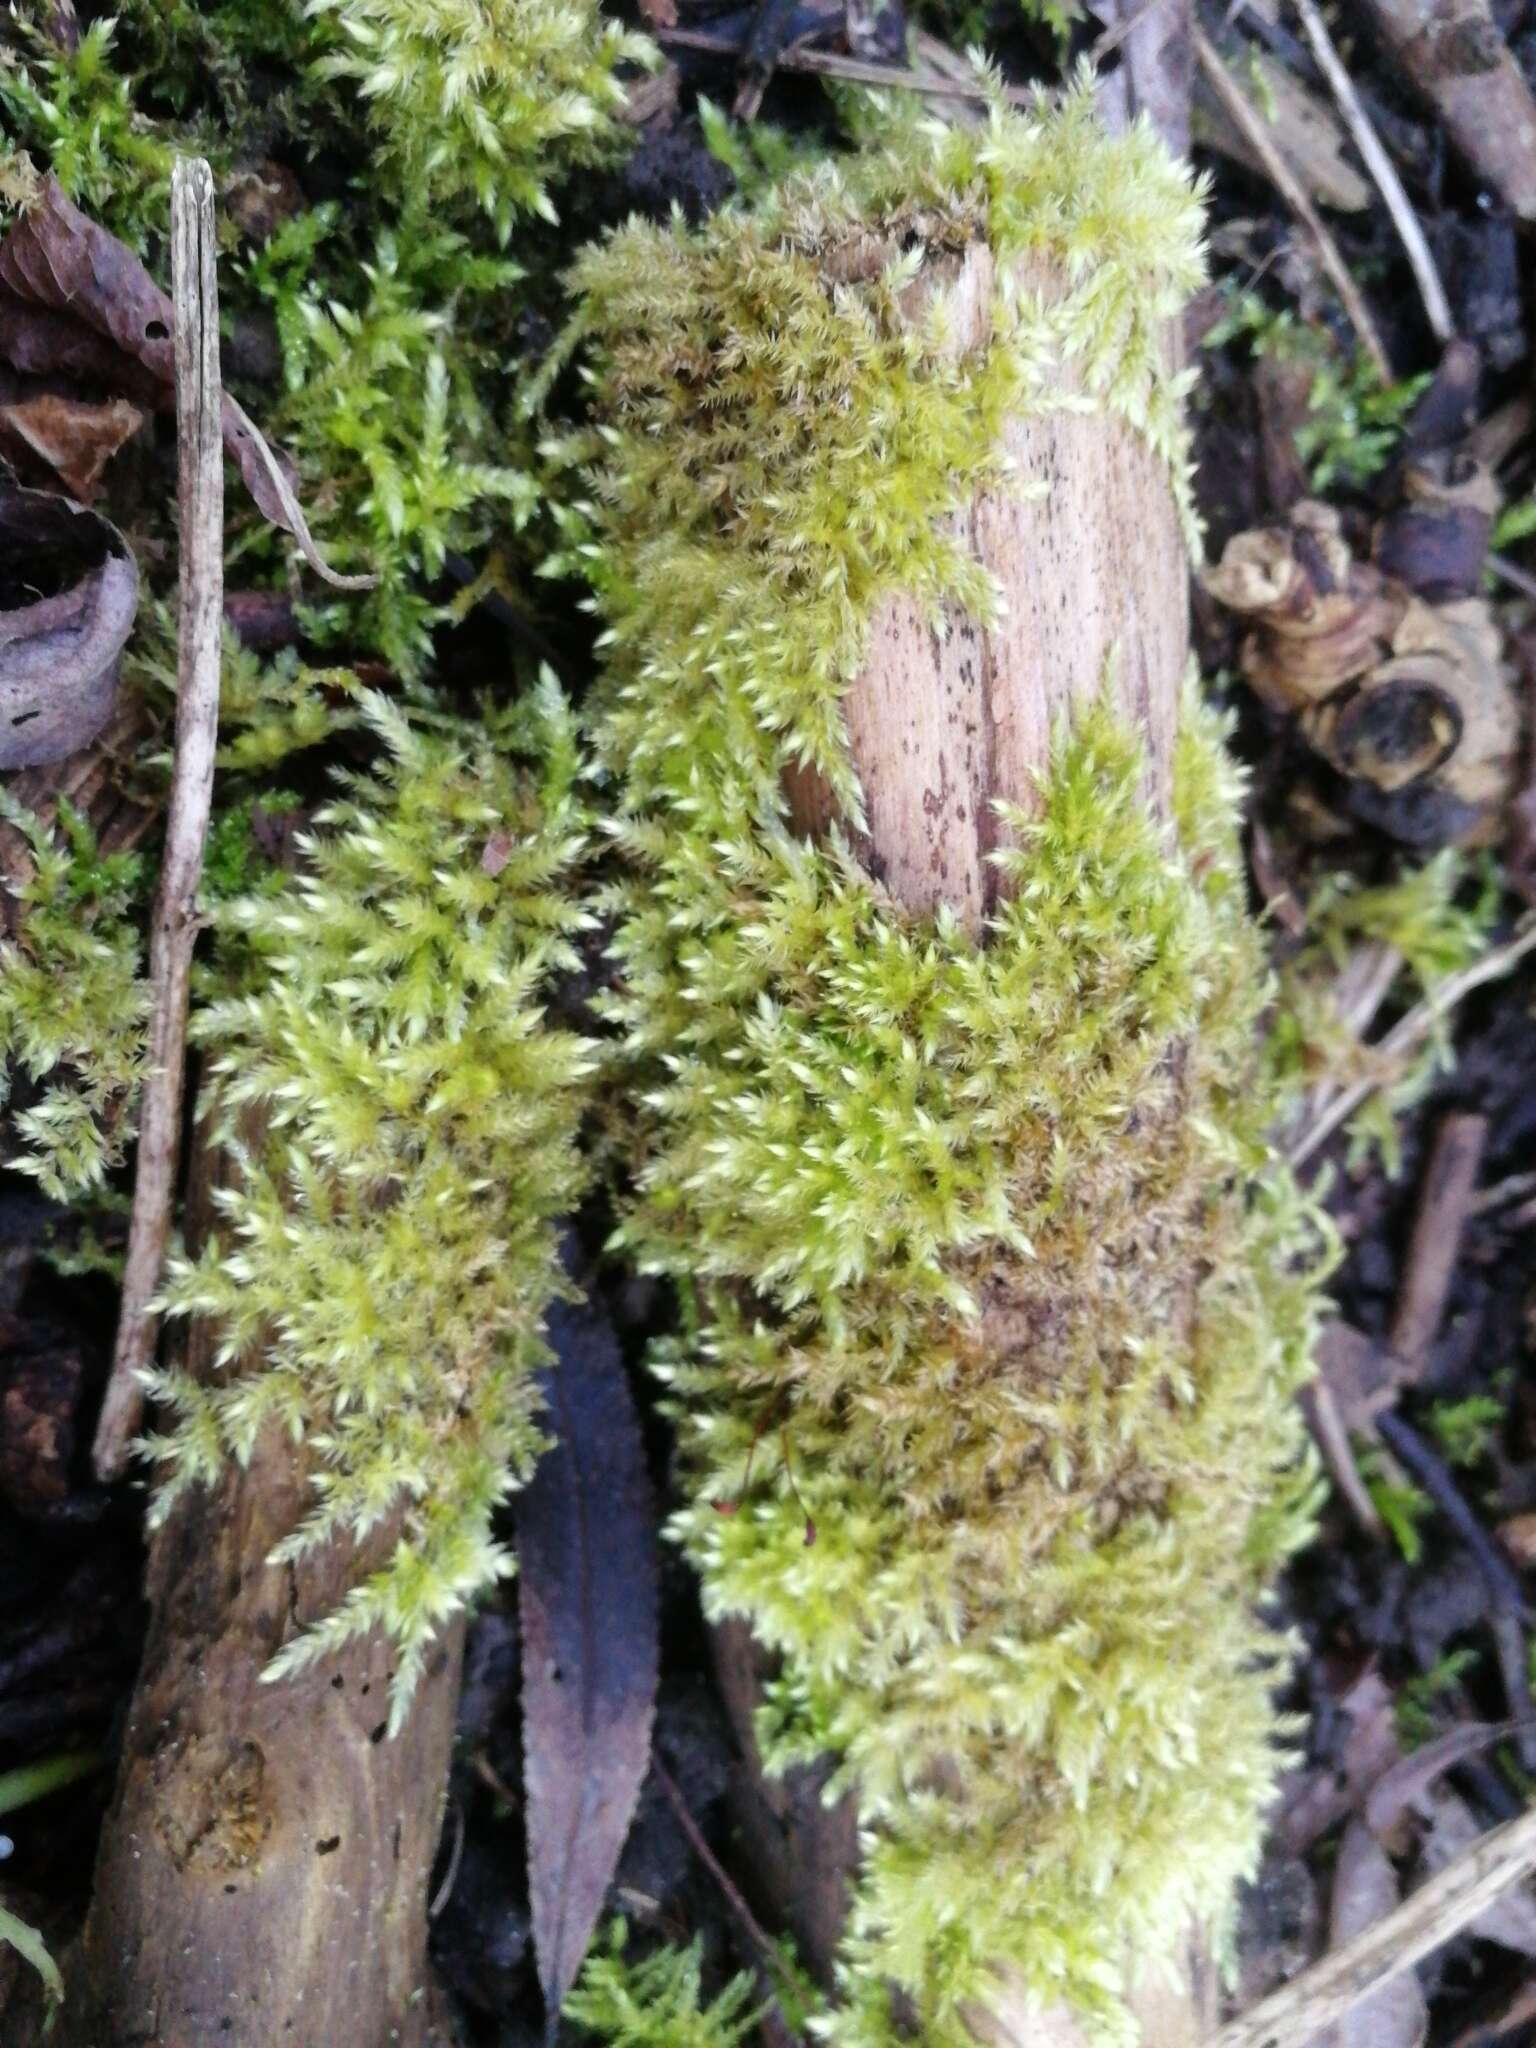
[(480, 99), (1003, 1296), (73, 1004), (389, 1247), (658, 2001)]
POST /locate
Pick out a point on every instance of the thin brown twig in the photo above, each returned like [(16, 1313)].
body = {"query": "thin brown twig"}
[(1254, 132), (745, 1917), (1409, 1032), (832, 64), (1315, 2001), (173, 928), (1447, 1188), (1437, 308)]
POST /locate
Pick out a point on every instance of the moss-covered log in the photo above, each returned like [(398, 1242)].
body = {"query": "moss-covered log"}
[(397, 1120), (938, 959)]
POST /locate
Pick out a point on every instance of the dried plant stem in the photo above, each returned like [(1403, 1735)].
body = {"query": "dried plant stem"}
[(1434, 1246), (1110, 39), (1254, 132), (833, 64), (173, 929), (1315, 2001), (1409, 1033), (1437, 307)]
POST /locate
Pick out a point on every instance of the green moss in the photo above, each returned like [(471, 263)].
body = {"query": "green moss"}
[(1002, 1294), (658, 2001), (1438, 917), (1354, 420), (72, 1003), (81, 112), (481, 99), (389, 1244)]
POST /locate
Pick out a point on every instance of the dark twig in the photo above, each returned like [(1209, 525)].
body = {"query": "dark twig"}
[(1434, 1475), (1507, 1621), (745, 1918), (173, 929)]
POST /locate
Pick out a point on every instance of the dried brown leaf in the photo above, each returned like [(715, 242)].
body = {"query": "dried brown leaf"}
[(1365, 1890), (69, 587), (57, 260), (1402, 1784), (73, 437), (588, 1580)]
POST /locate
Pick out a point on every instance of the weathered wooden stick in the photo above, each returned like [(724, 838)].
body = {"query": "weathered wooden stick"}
[(173, 928), (1251, 127), (263, 1874), (1454, 54), (944, 725), (1308, 2006)]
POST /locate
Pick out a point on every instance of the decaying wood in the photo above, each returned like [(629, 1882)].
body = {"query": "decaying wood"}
[(263, 1874), (1453, 52), (1301, 2013), (173, 925), (944, 722), (1091, 557)]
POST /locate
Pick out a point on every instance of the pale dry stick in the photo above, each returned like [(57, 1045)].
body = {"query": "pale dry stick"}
[(173, 928), (1250, 125), (1437, 308), (1409, 1032), (1320, 1997), (1363, 985), (858, 70), (1332, 1440), (1110, 39), (1511, 573), (1503, 1192)]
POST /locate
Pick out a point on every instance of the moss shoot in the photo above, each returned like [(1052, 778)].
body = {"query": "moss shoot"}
[(389, 1245), (1002, 1297)]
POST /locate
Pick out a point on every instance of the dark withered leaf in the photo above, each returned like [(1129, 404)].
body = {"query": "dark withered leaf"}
[(69, 587), (588, 1597), (57, 261), (73, 437)]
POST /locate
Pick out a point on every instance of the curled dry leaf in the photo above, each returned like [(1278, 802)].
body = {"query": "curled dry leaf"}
[(104, 312), (69, 587), (73, 437), (1402, 688), (588, 1599), (1319, 617)]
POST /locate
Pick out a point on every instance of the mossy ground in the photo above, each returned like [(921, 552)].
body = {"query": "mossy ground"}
[(988, 1266)]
